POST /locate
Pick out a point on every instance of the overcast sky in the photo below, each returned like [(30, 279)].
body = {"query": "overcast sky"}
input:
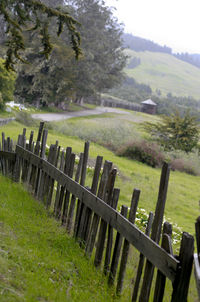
[(175, 23)]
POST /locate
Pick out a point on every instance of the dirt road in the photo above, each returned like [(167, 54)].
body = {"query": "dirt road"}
[(48, 117)]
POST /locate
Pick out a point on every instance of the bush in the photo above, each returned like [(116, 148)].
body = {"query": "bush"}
[(143, 151), (183, 165), (26, 119)]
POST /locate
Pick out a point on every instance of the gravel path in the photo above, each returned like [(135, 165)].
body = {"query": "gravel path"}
[(48, 117)]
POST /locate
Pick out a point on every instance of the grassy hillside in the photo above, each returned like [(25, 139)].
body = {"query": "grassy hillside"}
[(38, 261), (165, 72), (182, 208)]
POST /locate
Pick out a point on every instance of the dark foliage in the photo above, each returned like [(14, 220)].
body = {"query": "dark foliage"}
[(140, 44), (29, 15)]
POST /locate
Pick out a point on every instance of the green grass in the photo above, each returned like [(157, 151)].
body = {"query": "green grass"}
[(165, 72), (183, 196), (109, 129), (38, 261), (182, 206)]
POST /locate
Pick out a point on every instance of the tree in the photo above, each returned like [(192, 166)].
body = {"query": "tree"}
[(46, 82), (175, 132), (7, 84), (29, 15), (61, 78), (100, 67)]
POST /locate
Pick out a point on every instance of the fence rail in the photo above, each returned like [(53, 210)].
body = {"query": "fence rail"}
[(91, 215)]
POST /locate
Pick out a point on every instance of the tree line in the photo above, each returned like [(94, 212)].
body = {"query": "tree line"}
[(141, 44)]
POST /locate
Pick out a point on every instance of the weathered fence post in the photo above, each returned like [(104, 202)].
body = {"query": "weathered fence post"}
[(125, 252), (197, 256), (156, 231), (80, 205), (73, 198), (141, 261), (103, 224), (114, 203), (67, 194), (101, 194), (116, 251), (161, 279), (87, 213), (181, 283)]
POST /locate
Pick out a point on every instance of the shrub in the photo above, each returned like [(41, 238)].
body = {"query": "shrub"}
[(26, 119), (183, 165), (143, 151)]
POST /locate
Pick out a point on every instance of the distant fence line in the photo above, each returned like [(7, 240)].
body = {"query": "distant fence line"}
[(89, 213), (4, 121), (124, 105)]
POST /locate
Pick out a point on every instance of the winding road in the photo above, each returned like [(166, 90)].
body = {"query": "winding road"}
[(50, 117)]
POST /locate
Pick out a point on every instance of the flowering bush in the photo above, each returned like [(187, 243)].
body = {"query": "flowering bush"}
[(141, 221)]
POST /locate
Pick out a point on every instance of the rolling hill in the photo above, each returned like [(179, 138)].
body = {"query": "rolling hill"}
[(164, 72)]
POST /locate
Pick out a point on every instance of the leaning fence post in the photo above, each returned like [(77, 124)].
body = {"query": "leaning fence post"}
[(156, 231), (141, 261), (197, 256), (109, 244), (87, 214), (73, 198), (125, 252), (95, 221), (181, 283), (103, 224), (116, 251), (161, 279), (80, 205)]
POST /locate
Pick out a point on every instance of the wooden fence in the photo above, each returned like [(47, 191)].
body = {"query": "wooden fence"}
[(89, 213), (197, 256)]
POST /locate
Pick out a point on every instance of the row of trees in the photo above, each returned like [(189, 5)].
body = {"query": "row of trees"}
[(62, 78)]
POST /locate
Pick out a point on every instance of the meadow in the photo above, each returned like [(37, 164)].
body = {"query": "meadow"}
[(165, 72)]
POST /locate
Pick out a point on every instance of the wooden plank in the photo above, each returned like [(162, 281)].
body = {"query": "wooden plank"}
[(197, 273), (11, 156), (141, 261), (109, 244), (67, 194), (156, 231), (116, 252), (197, 229), (32, 178), (96, 218), (161, 279), (49, 179), (151, 250), (80, 205), (103, 225), (61, 168), (181, 283), (125, 251), (88, 213), (62, 189), (52, 181), (73, 198)]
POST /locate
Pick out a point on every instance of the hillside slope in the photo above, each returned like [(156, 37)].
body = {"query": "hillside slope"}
[(38, 261), (165, 72)]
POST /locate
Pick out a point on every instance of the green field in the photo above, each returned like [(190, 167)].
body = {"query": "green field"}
[(182, 207), (38, 261), (165, 72)]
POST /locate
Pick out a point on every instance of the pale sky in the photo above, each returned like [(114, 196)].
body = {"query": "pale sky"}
[(175, 23)]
